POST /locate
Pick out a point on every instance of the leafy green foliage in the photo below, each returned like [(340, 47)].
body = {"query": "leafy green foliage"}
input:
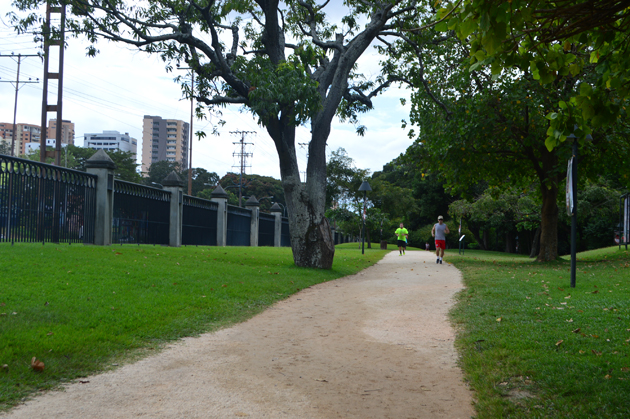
[(266, 189), (159, 170), (74, 157), (552, 41)]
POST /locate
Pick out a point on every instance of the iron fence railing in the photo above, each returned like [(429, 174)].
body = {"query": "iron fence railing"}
[(141, 214), (199, 225), (266, 228), (238, 226), (44, 203), (285, 237)]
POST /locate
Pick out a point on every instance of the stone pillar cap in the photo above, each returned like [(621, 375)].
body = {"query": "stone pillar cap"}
[(99, 160), (252, 202), (275, 208), (173, 180), (219, 192)]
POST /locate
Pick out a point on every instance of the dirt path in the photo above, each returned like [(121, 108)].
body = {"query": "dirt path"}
[(373, 345)]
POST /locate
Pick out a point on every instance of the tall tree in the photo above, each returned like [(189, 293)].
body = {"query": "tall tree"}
[(159, 170), (474, 127), (201, 179), (285, 63)]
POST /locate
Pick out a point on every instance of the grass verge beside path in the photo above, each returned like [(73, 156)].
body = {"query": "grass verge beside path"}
[(81, 309), (532, 347)]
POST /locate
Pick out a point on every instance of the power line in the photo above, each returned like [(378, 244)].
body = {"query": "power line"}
[(243, 156), (17, 89)]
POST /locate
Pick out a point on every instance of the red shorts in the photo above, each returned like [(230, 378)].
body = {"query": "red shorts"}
[(440, 244)]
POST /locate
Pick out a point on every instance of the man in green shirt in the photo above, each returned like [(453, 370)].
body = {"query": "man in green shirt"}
[(402, 234)]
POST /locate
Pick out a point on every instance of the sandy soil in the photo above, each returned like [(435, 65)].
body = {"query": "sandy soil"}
[(373, 345)]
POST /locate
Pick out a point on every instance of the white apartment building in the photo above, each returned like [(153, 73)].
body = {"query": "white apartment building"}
[(111, 140)]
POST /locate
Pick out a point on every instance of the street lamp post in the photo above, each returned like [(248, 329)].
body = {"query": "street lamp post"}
[(365, 186)]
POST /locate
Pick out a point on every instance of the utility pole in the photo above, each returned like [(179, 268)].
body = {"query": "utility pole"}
[(190, 139), (242, 155), (17, 89), (60, 42)]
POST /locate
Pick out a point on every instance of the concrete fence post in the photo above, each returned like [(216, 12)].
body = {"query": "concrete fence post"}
[(103, 167), (173, 184), (277, 231), (253, 205), (221, 197)]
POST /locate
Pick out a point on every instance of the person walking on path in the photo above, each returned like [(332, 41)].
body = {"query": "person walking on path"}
[(402, 234), (439, 231)]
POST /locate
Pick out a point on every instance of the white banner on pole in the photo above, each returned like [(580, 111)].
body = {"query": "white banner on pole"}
[(626, 223), (569, 195)]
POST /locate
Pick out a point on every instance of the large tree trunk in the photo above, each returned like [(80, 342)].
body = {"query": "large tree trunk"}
[(311, 237), (535, 244), (549, 224)]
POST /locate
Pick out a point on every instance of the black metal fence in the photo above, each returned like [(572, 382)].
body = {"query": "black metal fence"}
[(266, 228), (43, 203), (239, 224), (141, 214), (199, 222), (285, 237)]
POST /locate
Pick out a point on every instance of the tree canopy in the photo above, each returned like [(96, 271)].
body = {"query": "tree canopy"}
[(554, 40)]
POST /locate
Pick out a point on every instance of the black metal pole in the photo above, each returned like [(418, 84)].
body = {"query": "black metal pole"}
[(574, 213), (363, 230)]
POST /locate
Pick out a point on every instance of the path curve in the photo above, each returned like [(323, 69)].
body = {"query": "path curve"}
[(373, 345)]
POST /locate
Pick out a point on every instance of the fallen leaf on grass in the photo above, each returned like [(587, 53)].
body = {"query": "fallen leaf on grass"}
[(595, 292), (624, 369), (5, 367), (569, 321), (558, 343), (577, 330), (596, 352), (499, 319), (607, 376), (224, 285), (49, 333), (37, 365), (561, 289)]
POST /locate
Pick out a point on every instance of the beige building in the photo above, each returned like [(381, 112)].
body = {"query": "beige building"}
[(25, 133), (67, 131), (164, 139)]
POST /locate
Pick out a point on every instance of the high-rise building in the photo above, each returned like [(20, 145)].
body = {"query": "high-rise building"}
[(111, 140), (67, 131), (25, 133), (164, 139)]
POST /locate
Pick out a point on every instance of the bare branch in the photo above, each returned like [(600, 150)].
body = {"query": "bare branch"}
[(218, 100)]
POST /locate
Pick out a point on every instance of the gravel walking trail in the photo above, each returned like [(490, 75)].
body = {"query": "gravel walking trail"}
[(373, 345)]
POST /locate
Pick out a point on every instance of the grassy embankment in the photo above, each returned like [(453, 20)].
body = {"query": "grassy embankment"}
[(532, 347), (83, 309)]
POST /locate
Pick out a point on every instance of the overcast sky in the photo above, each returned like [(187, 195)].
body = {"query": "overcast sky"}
[(114, 90)]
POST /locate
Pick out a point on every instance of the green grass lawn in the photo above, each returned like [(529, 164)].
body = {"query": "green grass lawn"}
[(532, 347), (82, 309)]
